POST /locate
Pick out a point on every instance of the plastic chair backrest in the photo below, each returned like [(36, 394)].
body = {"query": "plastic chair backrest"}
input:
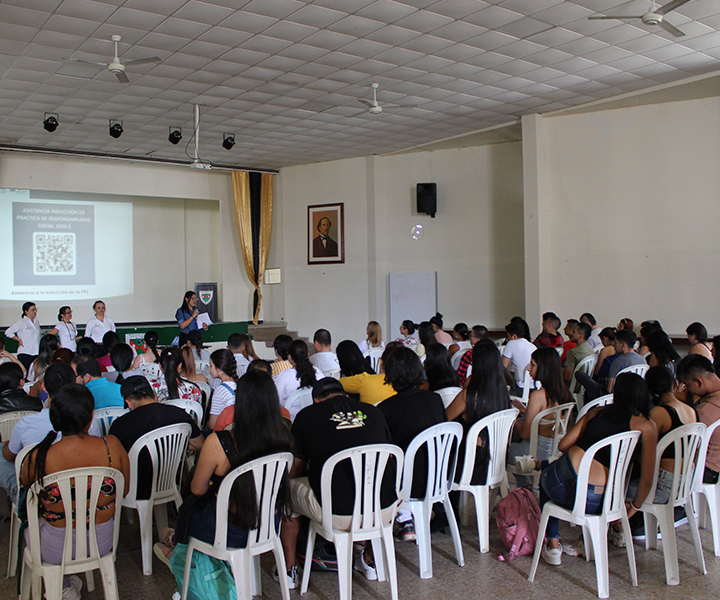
[(499, 426), (20, 458), (448, 394), (202, 365), (709, 432), (640, 369), (335, 373), (688, 441), (558, 416), (105, 416), (8, 421), (439, 440), (601, 401), (621, 446), (191, 407), (298, 400), (167, 447), (77, 551), (528, 386), (368, 465), (374, 355), (586, 365), (268, 473), (150, 370), (457, 357)]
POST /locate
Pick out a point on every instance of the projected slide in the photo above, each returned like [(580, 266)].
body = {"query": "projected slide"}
[(64, 249)]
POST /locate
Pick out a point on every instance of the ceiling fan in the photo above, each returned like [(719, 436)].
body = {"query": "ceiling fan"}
[(374, 107), (656, 16), (116, 67)]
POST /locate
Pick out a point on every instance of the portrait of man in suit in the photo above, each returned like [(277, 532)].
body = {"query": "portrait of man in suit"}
[(325, 234), (323, 244)]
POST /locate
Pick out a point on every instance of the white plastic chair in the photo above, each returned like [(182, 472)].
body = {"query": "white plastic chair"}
[(105, 416), (150, 370), (167, 447), (457, 357), (448, 394), (268, 473), (613, 509), (79, 556), (202, 366), (335, 373), (368, 465), (442, 459), (298, 400), (558, 416), (640, 369), (587, 366), (374, 355), (601, 401), (707, 495), (687, 441), (499, 427), (8, 421), (191, 407), (14, 517)]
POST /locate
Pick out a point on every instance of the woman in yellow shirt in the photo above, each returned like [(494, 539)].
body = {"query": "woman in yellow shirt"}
[(357, 377)]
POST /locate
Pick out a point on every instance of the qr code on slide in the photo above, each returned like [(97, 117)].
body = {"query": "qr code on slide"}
[(54, 253)]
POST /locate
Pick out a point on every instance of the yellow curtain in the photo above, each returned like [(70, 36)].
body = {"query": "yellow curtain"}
[(243, 216)]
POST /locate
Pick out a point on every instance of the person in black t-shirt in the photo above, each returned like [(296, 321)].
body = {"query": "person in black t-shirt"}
[(146, 415), (334, 422)]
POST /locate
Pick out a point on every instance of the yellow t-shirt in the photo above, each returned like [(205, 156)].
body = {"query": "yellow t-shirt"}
[(372, 388)]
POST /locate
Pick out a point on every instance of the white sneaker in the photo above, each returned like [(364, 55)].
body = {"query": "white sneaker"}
[(576, 548), (367, 568), (72, 591), (292, 576), (552, 556), (616, 537)]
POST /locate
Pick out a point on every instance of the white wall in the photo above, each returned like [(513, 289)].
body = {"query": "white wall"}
[(631, 214), (475, 242), (180, 237)]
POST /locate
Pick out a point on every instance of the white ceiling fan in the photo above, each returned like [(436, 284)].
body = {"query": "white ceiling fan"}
[(656, 16), (374, 107), (116, 67)]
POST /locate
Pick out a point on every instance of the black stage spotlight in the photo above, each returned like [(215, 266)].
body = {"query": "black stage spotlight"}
[(51, 122), (116, 128), (228, 140), (175, 135)]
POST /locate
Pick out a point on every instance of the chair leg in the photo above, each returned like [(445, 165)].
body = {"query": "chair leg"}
[(588, 543), (482, 512), (650, 530), (13, 548), (538, 545), (90, 581), (454, 530), (255, 583), (108, 576), (379, 555), (421, 518), (700, 503), (713, 505), (667, 530), (344, 551), (389, 553), (186, 575), (145, 515), (695, 532), (281, 567), (26, 578), (310, 547), (161, 518), (37, 583), (598, 532), (53, 583), (241, 565), (630, 550)]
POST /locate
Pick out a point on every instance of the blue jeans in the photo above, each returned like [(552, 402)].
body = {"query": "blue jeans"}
[(558, 482), (7, 478)]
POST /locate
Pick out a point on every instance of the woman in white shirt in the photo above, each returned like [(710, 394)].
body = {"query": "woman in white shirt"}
[(222, 367), (374, 338), (100, 324), (302, 374), (66, 329), (26, 332)]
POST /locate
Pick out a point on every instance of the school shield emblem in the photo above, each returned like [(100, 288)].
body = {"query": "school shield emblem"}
[(206, 296)]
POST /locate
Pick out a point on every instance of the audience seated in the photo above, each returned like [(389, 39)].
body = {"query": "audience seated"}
[(698, 338), (594, 338), (647, 328), (568, 331), (461, 339), (407, 335), (549, 336), (582, 349), (12, 395), (222, 367), (302, 374), (106, 393), (48, 345), (237, 345), (188, 370), (426, 333), (170, 385), (438, 370), (606, 356), (281, 345), (441, 336), (477, 334), (662, 351), (121, 357), (110, 340), (517, 351), (152, 355), (195, 341), (324, 358), (373, 340), (146, 415), (371, 388)]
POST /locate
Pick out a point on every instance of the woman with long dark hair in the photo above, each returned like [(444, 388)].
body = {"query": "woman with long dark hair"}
[(663, 352), (222, 367), (407, 339), (438, 370), (195, 342), (351, 360), (170, 385), (370, 387), (71, 413), (48, 345), (441, 336), (186, 315), (485, 394), (698, 338), (545, 369), (461, 335), (630, 411), (151, 342), (302, 374), (258, 431)]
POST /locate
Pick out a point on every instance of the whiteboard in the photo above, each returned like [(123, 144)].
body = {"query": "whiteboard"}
[(413, 296)]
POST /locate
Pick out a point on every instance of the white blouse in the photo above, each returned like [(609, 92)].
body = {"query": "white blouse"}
[(96, 328), (67, 334), (28, 330)]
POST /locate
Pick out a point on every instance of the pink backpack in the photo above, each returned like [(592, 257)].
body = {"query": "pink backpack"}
[(518, 519)]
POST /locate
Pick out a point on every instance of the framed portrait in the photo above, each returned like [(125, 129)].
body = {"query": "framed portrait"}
[(326, 234)]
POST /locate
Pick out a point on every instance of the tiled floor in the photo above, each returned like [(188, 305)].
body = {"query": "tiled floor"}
[(483, 576)]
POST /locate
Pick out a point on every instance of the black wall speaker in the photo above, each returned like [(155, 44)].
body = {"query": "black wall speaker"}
[(427, 198)]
